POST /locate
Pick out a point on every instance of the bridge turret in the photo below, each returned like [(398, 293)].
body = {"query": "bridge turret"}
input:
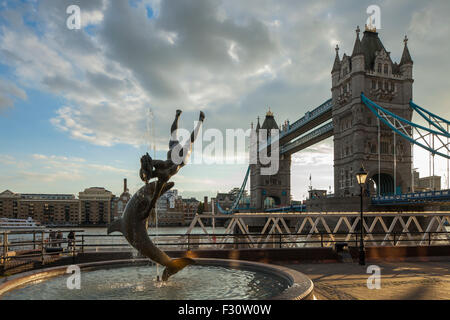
[(371, 70), (276, 187)]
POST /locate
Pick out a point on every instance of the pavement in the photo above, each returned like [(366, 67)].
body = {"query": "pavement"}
[(412, 280)]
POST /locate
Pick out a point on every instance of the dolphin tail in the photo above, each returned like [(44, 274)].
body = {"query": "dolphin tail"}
[(175, 266), (116, 225)]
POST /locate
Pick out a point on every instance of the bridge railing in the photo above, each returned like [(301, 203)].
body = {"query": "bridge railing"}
[(440, 195)]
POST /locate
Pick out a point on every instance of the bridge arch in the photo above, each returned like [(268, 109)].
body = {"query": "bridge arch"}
[(383, 181), (271, 201)]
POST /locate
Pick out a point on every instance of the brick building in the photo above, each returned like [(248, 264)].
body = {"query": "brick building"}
[(95, 206), (46, 208)]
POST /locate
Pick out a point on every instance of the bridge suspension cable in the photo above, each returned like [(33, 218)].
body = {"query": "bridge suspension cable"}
[(238, 198)]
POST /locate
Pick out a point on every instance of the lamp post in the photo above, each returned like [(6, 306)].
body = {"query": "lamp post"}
[(361, 176)]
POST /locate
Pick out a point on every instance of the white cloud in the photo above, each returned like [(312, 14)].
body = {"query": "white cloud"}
[(8, 93), (231, 59)]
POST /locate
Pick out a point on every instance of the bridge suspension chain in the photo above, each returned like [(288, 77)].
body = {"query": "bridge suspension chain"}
[(408, 129), (238, 198)]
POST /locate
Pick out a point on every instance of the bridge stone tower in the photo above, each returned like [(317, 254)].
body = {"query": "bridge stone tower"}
[(276, 187), (371, 70)]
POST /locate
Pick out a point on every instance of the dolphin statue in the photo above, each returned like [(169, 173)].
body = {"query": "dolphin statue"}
[(134, 223)]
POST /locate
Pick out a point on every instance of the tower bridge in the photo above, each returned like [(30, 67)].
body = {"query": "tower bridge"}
[(370, 117)]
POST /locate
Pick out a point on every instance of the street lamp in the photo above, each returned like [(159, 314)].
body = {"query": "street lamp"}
[(361, 176)]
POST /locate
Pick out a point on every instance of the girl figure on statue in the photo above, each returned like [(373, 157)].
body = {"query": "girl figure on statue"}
[(163, 170)]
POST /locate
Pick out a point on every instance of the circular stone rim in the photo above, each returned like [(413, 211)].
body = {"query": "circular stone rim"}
[(300, 287)]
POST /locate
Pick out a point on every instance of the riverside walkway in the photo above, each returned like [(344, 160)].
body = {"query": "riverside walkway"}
[(409, 280)]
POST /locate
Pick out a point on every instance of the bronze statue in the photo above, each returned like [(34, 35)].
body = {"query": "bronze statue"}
[(134, 221), (163, 170)]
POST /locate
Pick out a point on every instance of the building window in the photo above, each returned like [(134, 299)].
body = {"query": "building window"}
[(379, 68), (347, 182), (386, 69), (384, 147), (67, 213), (351, 177), (373, 148), (374, 84)]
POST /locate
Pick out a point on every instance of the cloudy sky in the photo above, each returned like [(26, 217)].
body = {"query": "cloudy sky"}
[(74, 104)]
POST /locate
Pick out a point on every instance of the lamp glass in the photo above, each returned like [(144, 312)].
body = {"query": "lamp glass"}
[(361, 176)]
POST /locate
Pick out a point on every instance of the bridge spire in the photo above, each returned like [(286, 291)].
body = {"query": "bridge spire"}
[(337, 61), (357, 49), (406, 56)]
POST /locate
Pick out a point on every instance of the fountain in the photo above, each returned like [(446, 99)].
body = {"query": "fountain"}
[(138, 279)]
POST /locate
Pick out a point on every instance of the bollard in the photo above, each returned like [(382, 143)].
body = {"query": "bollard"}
[(42, 247), (5, 247)]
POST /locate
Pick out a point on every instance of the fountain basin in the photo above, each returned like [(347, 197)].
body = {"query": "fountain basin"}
[(208, 279)]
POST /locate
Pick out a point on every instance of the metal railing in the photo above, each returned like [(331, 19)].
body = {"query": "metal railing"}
[(42, 251), (439, 196), (280, 240), (19, 247)]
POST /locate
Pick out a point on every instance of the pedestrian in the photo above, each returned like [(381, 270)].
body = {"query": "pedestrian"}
[(59, 238), (71, 242), (52, 238)]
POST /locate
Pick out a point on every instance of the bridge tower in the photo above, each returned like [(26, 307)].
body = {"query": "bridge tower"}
[(358, 137), (275, 189)]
